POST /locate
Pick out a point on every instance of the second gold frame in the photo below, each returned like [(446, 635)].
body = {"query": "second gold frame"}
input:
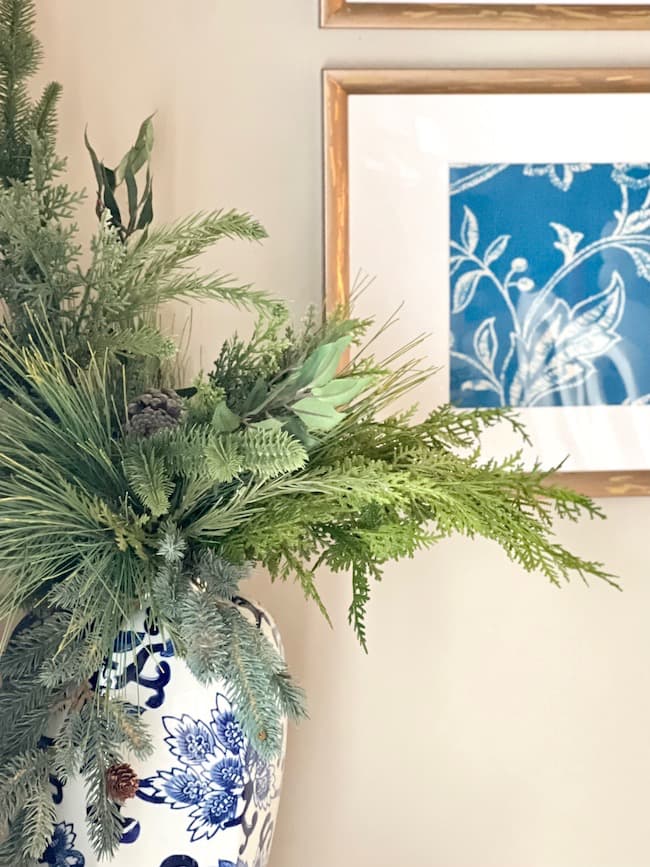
[(486, 16)]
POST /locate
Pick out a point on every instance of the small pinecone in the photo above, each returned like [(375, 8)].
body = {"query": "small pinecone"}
[(153, 411), (121, 782)]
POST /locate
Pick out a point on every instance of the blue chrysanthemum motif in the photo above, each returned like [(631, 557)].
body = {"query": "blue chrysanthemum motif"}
[(183, 787), (229, 732), (220, 776), (190, 741), (61, 851), (264, 789), (229, 774), (216, 813)]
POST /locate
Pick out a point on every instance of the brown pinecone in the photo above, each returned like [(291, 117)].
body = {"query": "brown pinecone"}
[(153, 411), (121, 782)]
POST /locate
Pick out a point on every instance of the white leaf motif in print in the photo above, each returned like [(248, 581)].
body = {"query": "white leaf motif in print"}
[(454, 264), (636, 222), (464, 290), (590, 331), (486, 343), (477, 385), (567, 241), (469, 234), (558, 350), (560, 373), (550, 288), (560, 175), (496, 249), (641, 259)]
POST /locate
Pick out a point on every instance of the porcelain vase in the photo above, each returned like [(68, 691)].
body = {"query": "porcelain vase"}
[(206, 798)]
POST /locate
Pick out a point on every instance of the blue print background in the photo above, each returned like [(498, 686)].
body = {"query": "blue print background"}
[(550, 284)]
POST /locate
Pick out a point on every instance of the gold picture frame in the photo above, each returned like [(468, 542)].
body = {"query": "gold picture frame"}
[(340, 84), (485, 16)]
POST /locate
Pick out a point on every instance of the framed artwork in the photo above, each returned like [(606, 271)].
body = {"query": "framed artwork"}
[(476, 15), (509, 210)]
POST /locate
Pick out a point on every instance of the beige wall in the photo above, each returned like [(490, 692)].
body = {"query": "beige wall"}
[(497, 722)]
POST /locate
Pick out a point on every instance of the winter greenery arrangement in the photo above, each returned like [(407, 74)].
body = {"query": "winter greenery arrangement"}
[(119, 493)]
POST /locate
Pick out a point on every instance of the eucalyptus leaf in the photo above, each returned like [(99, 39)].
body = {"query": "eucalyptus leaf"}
[(317, 414), (319, 367), (297, 428), (267, 424), (342, 390), (224, 420)]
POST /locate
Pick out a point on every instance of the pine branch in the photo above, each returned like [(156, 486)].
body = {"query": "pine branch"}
[(43, 118), (40, 814), (16, 774), (32, 643), (249, 666), (100, 751)]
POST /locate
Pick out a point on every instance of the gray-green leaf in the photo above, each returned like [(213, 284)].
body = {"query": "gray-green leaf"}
[(340, 391), (317, 414), (224, 420)]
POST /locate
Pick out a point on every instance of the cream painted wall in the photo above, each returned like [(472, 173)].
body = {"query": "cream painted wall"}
[(497, 722)]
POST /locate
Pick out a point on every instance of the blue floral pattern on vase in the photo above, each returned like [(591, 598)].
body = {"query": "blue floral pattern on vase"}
[(218, 775), (222, 793), (61, 851), (550, 294)]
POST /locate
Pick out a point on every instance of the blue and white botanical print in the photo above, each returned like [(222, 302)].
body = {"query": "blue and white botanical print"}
[(61, 851), (550, 284), (217, 774)]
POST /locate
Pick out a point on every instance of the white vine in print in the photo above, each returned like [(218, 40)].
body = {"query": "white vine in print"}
[(552, 345)]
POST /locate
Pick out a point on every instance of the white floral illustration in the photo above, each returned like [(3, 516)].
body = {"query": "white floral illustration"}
[(535, 343)]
